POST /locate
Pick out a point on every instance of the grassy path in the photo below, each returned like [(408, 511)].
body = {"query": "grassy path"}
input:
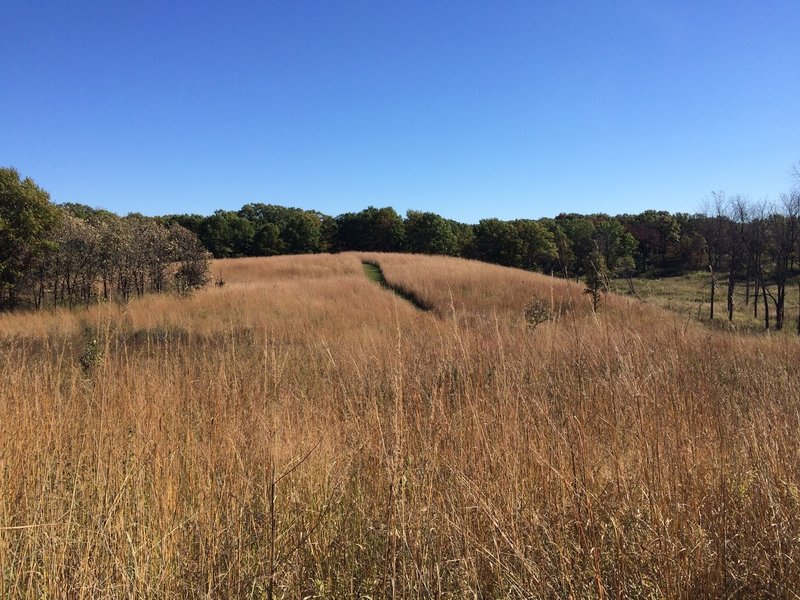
[(374, 273)]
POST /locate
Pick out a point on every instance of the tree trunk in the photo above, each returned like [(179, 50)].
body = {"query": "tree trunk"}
[(713, 289), (731, 285), (755, 298)]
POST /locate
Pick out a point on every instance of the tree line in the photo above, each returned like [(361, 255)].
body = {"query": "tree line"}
[(559, 245), (66, 255), (740, 243), (62, 255)]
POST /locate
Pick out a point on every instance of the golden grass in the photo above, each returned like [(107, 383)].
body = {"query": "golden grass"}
[(303, 431)]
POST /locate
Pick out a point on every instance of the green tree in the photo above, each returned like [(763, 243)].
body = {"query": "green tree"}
[(615, 244), (428, 233), (498, 242), (372, 229), (301, 233), (327, 232), (565, 257), (191, 222), (465, 238), (267, 241), (657, 234), (579, 230), (27, 217), (537, 249), (226, 234)]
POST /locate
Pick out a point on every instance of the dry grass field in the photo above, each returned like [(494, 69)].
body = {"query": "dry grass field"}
[(303, 432)]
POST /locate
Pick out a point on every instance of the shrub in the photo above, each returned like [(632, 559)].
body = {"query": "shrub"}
[(537, 312)]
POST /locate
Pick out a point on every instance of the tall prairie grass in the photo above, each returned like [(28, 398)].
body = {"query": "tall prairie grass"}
[(303, 432)]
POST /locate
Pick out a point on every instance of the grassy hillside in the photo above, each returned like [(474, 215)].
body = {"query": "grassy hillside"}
[(305, 432)]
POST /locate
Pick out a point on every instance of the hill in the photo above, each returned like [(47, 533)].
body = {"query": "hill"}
[(302, 431)]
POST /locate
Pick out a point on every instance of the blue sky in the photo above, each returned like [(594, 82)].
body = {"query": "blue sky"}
[(468, 109)]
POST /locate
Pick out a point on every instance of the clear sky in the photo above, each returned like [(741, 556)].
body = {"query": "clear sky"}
[(468, 109)]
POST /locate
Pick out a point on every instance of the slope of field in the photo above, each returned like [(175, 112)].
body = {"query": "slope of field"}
[(304, 432)]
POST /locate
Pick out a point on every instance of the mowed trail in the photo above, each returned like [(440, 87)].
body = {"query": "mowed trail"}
[(374, 273)]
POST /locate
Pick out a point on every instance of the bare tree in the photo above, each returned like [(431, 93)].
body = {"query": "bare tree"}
[(715, 228), (739, 213), (782, 239), (755, 243)]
